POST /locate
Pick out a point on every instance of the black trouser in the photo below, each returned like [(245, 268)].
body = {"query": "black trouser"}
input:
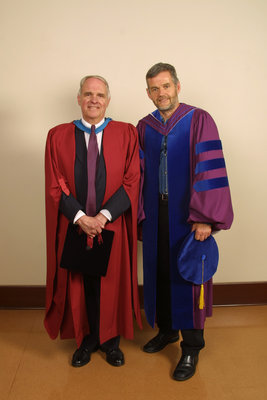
[(193, 339), (92, 298)]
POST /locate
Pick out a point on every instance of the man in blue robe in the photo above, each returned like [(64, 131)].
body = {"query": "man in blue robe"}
[(184, 187)]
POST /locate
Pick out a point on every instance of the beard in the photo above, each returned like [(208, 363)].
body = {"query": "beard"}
[(168, 107)]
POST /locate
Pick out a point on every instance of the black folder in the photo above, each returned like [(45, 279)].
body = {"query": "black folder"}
[(77, 257)]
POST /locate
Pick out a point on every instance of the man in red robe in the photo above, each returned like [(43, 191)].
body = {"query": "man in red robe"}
[(92, 309)]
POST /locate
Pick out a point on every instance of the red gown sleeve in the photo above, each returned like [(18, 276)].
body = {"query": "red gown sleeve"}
[(55, 184), (131, 184)]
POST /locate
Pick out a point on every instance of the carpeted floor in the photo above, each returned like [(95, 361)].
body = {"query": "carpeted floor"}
[(233, 365)]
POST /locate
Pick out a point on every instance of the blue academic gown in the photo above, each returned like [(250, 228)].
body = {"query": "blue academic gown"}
[(198, 191)]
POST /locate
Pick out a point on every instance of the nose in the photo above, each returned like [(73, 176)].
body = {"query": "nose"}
[(93, 98), (161, 91)]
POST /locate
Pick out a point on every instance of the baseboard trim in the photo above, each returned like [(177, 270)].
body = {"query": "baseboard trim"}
[(224, 294), (22, 296), (240, 293)]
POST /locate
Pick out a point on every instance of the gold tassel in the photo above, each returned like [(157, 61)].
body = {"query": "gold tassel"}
[(201, 298)]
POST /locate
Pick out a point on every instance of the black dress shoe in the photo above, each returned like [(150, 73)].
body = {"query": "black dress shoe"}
[(160, 341), (82, 356), (114, 357), (186, 367)]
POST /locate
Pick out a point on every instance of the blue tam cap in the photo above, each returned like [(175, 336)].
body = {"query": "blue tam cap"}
[(198, 261)]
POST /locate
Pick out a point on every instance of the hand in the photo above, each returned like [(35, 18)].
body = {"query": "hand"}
[(90, 225), (102, 219), (202, 231)]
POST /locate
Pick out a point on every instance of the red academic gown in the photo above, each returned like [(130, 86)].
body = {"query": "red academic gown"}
[(65, 301)]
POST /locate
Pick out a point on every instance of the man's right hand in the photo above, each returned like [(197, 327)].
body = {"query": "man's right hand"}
[(90, 225)]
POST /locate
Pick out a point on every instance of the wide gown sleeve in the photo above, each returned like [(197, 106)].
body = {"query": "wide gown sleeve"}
[(54, 186), (210, 200)]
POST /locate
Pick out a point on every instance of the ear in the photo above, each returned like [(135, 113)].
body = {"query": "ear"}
[(178, 87), (148, 93), (79, 99)]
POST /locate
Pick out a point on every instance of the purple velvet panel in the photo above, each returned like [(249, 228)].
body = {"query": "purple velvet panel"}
[(141, 130), (200, 315)]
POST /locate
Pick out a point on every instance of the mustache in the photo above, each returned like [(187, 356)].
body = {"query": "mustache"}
[(163, 98)]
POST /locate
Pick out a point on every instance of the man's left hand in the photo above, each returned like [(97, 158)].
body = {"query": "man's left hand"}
[(101, 218), (202, 231)]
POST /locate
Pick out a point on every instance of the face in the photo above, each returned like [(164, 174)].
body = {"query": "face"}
[(163, 92), (93, 100)]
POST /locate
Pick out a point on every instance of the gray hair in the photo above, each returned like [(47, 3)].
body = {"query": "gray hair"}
[(96, 77), (161, 67)]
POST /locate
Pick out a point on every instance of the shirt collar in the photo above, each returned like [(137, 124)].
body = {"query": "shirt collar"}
[(89, 125)]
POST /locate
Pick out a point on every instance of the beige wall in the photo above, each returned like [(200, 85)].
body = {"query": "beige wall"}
[(219, 50)]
